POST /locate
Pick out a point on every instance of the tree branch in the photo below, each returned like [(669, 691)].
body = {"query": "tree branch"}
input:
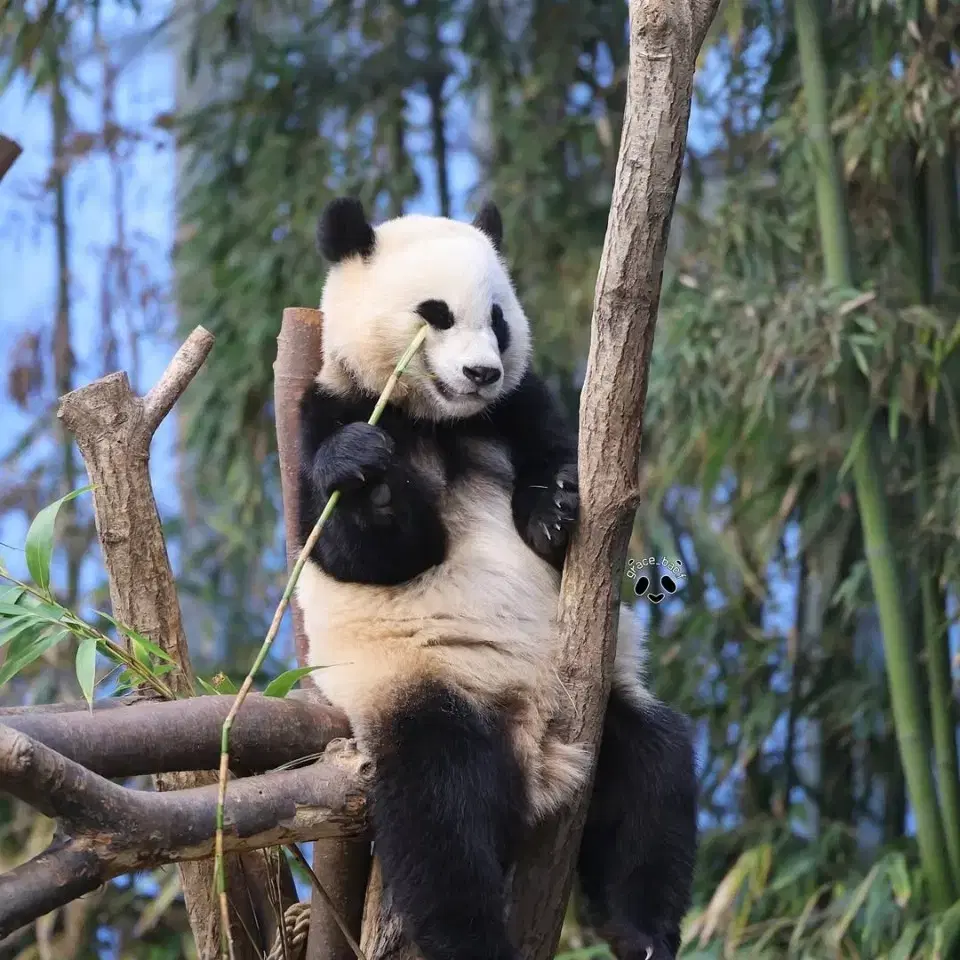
[(341, 868), (114, 428), (184, 366), (106, 830), (9, 151), (665, 39), (164, 737)]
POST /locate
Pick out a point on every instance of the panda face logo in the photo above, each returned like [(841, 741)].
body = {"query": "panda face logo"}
[(663, 585)]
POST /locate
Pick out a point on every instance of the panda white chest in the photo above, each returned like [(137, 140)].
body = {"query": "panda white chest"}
[(485, 618)]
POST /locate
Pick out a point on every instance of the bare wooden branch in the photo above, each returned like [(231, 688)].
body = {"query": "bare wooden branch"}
[(114, 428), (184, 366), (107, 419), (9, 151), (665, 40), (73, 706), (164, 737), (341, 868), (106, 830)]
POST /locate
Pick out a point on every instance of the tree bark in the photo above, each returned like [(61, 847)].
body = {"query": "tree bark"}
[(341, 867), (114, 428), (665, 40), (161, 737), (105, 830)]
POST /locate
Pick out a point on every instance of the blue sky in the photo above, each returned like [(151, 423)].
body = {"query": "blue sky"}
[(28, 263)]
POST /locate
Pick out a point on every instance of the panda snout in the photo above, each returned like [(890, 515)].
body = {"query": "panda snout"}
[(482, 376)]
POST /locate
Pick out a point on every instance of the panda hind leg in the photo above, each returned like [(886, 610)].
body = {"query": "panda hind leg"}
[(447, 804), (636, 860)]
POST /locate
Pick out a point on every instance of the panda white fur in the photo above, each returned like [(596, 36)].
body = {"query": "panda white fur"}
[(431, 600)]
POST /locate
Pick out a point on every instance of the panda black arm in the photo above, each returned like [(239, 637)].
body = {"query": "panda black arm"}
[(385, 528), (543, 449)]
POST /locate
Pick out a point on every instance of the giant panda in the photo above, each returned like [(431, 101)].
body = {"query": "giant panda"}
[(430, 599)]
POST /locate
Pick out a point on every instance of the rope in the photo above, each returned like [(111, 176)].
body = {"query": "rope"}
[(296, 926)]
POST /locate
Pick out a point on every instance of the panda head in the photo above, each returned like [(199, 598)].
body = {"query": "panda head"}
[(384, 282)]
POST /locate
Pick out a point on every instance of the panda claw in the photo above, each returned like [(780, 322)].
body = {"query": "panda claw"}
[(556, 527), (648, 954)]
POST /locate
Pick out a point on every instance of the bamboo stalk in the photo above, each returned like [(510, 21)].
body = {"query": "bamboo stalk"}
[(937, 646), (902, 669)]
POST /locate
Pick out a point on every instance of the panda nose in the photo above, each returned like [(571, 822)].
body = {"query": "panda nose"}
[(482, 376)]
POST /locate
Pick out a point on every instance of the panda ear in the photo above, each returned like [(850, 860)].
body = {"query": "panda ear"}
[(344, 231), (488, 221)]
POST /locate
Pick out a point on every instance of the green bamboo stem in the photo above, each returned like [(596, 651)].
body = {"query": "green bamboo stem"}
[(937, 646), (902, 669), (831, 206), (226, 947)]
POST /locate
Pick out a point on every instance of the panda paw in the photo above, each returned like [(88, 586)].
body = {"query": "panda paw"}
[(639, 946), (354, 457), (649, 948), (555, 515)]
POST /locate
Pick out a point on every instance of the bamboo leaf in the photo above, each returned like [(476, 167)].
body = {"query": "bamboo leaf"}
[(860, 358), (282, 685), (899, 876), (855, 444), (839, 931), (24, 656), (949, 930), (87, 667), (42, 611), (209, 687), (903, 948), (16, 626), (796, 938), (141, 645), (144, 646), (11, 595), (40, 539)]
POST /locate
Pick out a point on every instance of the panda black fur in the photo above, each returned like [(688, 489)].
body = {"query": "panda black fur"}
[(431, 598)]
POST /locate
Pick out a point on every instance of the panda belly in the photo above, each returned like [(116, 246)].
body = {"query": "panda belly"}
[(483, 622)]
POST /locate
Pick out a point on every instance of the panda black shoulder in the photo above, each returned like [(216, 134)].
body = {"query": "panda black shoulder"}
[(531, 420)]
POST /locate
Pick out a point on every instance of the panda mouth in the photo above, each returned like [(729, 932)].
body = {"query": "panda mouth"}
[(446, 392)]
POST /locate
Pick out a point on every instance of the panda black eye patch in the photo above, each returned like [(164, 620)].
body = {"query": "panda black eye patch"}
[(436, 313), (500, 329)]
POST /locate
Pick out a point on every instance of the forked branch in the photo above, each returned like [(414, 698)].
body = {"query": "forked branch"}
[(665, 40), (105, 830)]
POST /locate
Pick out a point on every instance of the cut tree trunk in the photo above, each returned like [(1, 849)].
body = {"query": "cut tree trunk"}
[(340, 865), (114, 428)]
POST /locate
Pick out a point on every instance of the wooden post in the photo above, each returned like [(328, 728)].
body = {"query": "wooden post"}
[(341, 866)]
